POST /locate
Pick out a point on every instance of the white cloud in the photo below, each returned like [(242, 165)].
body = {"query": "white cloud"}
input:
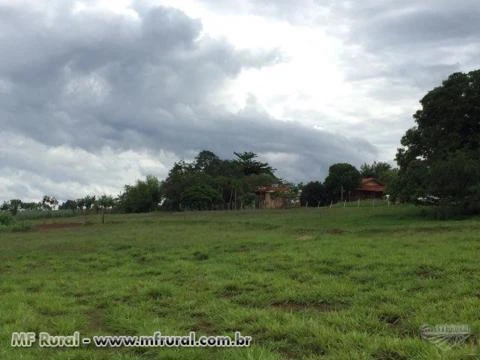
[(31, 169)]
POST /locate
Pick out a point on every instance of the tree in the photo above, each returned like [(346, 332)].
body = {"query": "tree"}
[(314, 193), (81, 203), (377, 170), (249, 165), (88, 201), (144, 196), (49, 202), (201, 197), (12, 206), (105, 202), (206, 161), (5, 206), (31, 205), (440, 154), (341, 180), (69, 205), (213, 183)]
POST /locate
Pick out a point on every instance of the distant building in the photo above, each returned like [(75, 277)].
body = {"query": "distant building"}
[(370, 188), (274, 197)]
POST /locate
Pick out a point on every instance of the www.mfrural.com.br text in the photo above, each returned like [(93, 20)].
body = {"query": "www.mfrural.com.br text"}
[(47, 340)]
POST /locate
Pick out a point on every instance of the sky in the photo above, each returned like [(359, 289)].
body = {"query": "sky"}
[(97, 94)]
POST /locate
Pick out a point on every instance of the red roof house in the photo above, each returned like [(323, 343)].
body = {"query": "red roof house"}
[(369, 188)]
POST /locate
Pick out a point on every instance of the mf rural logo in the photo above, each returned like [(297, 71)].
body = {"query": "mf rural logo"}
[(447, 336)]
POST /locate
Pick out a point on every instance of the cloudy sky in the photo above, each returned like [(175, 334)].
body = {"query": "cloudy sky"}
[(96, 94)]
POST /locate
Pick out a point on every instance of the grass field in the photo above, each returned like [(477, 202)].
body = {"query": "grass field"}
[(340, 283)]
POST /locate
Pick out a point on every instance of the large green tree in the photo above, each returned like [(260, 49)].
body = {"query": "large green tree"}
[(69, 205), (314, 193), (49, 202), (440, 154), (342, 179), (144, 196), (213, 183), (250, 165), (13, 206)]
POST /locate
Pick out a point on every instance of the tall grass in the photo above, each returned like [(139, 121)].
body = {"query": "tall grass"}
[(9, 223), (6, 219), (45, 214)]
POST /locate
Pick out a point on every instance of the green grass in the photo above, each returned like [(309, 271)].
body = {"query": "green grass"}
[(340, 283)]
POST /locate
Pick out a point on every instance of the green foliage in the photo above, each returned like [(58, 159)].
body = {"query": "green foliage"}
[(439, 156), (106, 201), (201, 197), (44, 214), (31, 205), (207, 162), (314, 194), (6, 219), (210, 183), (49, 202), (88, 202), (144, 196), (341, 180), (69, 205), (249, 165), (376, 170), (13, 206), (456, 180), (381, 171)]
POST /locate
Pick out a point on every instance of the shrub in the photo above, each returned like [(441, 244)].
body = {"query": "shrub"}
[(6, 219)]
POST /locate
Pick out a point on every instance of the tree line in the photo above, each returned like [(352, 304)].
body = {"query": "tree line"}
[(206, 183), (211, 183), (48, 203)]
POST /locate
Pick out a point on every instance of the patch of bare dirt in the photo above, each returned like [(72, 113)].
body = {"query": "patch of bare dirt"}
[(53, 226)]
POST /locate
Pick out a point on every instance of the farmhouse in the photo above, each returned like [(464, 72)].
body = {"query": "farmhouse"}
[(370, 188), (273, 197)]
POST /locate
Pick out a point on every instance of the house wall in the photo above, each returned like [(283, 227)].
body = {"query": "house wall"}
[(267, 201), (274, 202)]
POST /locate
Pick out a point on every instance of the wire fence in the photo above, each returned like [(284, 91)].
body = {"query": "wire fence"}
[(357, 204)]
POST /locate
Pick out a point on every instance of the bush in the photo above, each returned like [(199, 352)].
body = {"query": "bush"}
[(45, 214), (6, 219)]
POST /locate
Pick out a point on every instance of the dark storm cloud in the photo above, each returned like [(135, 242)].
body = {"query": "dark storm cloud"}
[(419, 43), (390, 24), (71, 84), (91, 80)]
